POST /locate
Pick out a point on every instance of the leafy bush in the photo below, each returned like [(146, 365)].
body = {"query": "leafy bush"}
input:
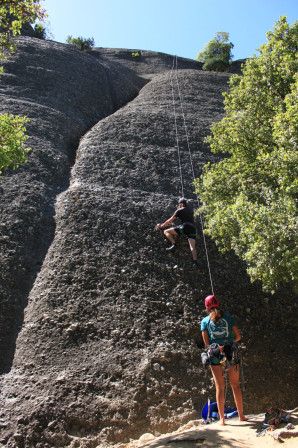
[(12, 138), (81, 43), (135, 55), (13, 15), (250, 197), (216, 55), (40, 31)]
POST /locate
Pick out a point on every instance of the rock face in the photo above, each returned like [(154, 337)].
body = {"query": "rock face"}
[(47, 82), (109, 346)]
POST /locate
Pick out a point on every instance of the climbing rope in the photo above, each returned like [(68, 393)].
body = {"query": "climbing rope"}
[(175, 68), (176, 129)]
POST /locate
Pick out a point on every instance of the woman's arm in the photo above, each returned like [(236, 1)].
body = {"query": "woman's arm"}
[(237, 334), (206, 338)]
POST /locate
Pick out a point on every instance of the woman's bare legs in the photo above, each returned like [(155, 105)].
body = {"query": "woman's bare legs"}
[(218, 375), (217, 372), (234, 380)]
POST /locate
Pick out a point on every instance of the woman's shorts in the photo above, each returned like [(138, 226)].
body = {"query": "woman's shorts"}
[(186, 229), (216, 361)]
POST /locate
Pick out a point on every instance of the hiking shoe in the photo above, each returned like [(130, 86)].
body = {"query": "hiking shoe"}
[(171, 247)]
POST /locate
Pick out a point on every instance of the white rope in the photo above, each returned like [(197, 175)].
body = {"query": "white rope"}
[(177, 139), (192, 167), (225, 373)]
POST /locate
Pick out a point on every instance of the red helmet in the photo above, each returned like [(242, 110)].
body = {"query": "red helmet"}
[(211, 302)]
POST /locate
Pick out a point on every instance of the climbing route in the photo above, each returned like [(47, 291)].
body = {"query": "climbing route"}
[(180, 100)]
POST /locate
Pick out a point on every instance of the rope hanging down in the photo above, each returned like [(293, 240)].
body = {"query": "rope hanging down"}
[(176, 129), (175, 68)]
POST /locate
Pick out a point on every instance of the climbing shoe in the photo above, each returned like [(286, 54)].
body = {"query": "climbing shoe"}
[(171, 247)]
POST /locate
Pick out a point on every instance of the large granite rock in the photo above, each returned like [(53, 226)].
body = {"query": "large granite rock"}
[(110, 343), (63, 92)]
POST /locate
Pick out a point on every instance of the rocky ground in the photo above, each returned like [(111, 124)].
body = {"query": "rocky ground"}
[(100, 338), (234, 434)]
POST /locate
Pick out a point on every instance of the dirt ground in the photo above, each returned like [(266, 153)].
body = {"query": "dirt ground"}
[(233, 435)]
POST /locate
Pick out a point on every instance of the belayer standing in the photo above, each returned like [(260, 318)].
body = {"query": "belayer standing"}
[(220, 329), (185, 213)]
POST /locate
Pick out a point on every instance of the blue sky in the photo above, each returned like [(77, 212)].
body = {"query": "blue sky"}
[(176, 27)]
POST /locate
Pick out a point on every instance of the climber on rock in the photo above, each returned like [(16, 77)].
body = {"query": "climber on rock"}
[(185, 213)]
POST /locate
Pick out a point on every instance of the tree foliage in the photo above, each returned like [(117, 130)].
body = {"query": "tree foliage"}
[(12, 138), (216, 55), (81, 43), (13, 14), (249, 198), (40, 31)]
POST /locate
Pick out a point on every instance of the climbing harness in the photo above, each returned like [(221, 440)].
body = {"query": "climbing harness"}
[(229, 355), (175, 69)]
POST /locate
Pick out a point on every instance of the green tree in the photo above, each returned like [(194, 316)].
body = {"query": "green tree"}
[(249, 198), (13, 14), (12, 138), (216, 55), (81, 43), (40, 31)]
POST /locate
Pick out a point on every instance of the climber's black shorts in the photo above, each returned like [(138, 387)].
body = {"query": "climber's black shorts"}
[(186, 229)]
